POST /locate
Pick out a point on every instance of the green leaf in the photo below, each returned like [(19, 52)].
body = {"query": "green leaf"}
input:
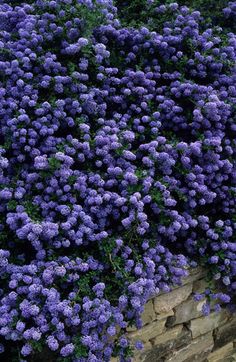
[(11, 205), (54, 163)]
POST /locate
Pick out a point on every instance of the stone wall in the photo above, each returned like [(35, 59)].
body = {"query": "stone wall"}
[(175, 330)]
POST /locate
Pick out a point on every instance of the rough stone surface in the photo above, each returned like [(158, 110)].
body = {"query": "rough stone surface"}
[(131, 329), (174, 329), (148, 314), (149, 331), (199, 286), (165, 315), (221, 353), (139, 355), (169, 335), (195, 351), (203, 325), (165, 302), (159, 353), (194, 274), (186, 311), (226, 333)]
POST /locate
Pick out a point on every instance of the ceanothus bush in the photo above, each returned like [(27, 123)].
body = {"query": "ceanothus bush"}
[(117, 170)]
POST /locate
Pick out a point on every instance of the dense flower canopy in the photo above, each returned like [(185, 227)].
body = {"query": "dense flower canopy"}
[(117, 169)]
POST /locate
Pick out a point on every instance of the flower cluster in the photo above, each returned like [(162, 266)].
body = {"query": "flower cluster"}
[(230, 10), (117, 170)]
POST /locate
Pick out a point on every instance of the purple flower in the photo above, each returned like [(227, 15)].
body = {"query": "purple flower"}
[(206, 309), (52, 343), (67, 350), (26, 350), (40, 162), (111, 331), (139, 345)]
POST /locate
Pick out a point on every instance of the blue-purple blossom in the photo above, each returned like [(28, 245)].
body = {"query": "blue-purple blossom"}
[(117, 168)]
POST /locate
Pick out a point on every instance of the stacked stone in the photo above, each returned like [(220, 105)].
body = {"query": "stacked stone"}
[(174, 329)]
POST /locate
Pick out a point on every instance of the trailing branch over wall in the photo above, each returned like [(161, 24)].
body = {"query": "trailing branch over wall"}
[(174, 328)]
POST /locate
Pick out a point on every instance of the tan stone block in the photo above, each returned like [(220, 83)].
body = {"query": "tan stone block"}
[(198, 346), (149, 331), (226, 333), (165, 315), (131, 329), (221, 353), (139, 355), (161, 352), (169, 335), (228, 359), (165, 302), (186, 311), (200, 326), (148, 314), (147, 346), (194, 274)]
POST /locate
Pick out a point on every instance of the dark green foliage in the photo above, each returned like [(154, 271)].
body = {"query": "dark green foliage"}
[(140, 13)]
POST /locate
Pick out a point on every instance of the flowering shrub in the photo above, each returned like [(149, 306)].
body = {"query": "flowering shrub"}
[(140, 11), (117, 170)]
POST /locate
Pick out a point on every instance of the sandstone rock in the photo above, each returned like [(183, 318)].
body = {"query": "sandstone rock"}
[(139, 355), (233, 357), (131, 329), (167, 338), (226, 333), (165, 315), (204, 324), (197, 350), (221, 353), (165, 302), (148, 314), (228, 359), (199, 286), (194, 274), (186, 311), (169, 335), (160, 352), (149, 331)]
